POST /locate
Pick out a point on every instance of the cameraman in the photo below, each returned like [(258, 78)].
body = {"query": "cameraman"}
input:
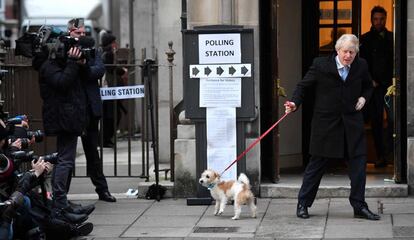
[(76, 29), (61, 82)]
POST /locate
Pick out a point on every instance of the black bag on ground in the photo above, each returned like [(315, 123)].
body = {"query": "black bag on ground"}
[(152, 191)]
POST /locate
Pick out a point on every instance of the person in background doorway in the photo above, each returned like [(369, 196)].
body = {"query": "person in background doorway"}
[(342, 86), (114, 76), (377, 48)]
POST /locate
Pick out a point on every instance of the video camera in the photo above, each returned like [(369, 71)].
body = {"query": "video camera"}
[(53, 43)]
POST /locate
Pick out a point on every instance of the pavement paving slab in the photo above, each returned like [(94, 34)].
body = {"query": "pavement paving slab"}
[(172, 219)]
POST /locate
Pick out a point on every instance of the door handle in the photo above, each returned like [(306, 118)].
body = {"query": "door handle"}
[(392, 90), (280, 90)]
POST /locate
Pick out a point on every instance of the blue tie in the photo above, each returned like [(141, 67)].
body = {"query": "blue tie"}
[(344, 72)]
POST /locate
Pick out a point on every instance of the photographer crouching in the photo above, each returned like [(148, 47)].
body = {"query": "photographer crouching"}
[(62, 81), (24, 205)]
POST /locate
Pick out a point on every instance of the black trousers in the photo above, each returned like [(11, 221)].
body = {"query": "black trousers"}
[(66, 147), (93, 162), (376, 111), (94, 167), (315, 170)]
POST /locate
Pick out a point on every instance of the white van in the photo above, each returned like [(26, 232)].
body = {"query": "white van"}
[(33, 25), (57, 13)]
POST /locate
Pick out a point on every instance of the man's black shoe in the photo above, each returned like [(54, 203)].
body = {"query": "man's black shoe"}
[(83, 229), (79, 209), (108, 145), (66, 216), (366, 214), (107, 197), (302, 211)]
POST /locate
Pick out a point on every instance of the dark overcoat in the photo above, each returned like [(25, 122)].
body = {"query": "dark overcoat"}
[(334, 115), (94, 71)]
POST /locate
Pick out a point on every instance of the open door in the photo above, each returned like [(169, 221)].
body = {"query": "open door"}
[(400, 84), (269, 99)]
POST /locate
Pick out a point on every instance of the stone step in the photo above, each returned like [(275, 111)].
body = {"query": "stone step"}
[(268, 190), (334, 186)]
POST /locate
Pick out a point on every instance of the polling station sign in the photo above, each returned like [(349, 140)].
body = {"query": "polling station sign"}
[(219, 48), (112, 93)]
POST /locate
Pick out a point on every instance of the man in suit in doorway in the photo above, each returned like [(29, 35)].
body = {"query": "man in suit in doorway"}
[(342, 86), (377, 47)]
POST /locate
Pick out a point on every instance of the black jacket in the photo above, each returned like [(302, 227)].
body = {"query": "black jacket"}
[(377, 49), (334, 114), (64, 99), (95, 71)]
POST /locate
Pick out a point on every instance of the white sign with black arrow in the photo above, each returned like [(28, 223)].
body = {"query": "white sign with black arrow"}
[(220, 70)]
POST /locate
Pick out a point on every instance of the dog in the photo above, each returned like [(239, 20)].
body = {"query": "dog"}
[(222, 191)]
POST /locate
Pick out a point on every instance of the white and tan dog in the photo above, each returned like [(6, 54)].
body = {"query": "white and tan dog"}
[(222, 191)]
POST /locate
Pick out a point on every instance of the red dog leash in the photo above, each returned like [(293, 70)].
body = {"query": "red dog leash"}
[(254, 143)]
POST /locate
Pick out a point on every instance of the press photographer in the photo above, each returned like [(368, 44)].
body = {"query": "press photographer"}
[(16, 208), (27, 211)]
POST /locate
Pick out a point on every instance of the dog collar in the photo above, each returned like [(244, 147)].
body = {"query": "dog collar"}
[(211, 186)]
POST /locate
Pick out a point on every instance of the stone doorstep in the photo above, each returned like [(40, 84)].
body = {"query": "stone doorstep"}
[(269, 190)]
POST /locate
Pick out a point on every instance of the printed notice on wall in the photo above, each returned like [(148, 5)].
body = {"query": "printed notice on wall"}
[(222, 142), (220, 92)]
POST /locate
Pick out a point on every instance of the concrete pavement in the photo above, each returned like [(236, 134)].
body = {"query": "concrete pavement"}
[(331, 218)]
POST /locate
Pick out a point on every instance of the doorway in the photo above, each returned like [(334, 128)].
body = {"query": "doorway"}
[(316, 25)]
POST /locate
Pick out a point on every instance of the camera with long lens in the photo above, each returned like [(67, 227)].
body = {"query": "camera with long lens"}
[(25, 142), (38, 135), (17, 132), (24, 156)]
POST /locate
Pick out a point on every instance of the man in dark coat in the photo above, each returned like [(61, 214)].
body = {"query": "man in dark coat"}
[(377, 47), (342, 85), (91, 137), (64, 116)]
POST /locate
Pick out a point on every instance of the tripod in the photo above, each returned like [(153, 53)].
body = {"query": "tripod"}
[(149, 66)]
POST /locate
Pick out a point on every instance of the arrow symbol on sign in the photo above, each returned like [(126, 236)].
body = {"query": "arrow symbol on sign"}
[(195, 71), (232, 70), (220, 71), (207, 71), (244, 70)]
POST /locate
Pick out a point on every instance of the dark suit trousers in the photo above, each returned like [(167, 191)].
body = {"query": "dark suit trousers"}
[(376, 111), (66, 147), (93, 161), (313, 175)]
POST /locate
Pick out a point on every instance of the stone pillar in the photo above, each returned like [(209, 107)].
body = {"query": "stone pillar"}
[(185, 179)]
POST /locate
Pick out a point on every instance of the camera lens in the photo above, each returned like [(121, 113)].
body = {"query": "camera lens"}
[(38, 135)]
